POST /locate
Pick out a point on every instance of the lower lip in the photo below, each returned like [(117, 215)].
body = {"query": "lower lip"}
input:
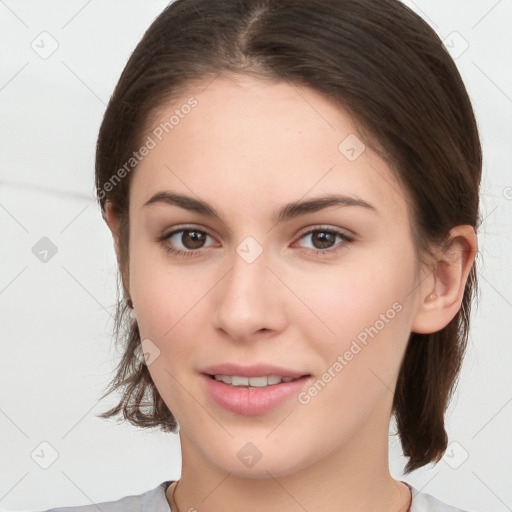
[(252, 401)]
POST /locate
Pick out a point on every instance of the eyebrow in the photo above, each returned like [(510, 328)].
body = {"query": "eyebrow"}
[(287, 212)]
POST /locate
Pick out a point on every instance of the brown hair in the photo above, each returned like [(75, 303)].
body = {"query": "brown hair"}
[(389, 70)]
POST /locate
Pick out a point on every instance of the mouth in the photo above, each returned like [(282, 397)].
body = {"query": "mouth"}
[(254, 382), (251, 396)]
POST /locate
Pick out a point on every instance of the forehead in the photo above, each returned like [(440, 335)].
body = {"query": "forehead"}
[(239, 142)]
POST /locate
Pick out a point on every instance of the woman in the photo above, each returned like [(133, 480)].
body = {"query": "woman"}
[(292, 188)]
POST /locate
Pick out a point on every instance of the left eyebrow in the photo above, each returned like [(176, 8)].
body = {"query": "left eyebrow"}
[(287, 212)]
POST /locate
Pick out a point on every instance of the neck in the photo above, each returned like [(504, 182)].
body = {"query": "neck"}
[(354, 478)]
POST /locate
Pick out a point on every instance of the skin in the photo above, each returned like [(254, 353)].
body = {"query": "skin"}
[(248, 148)]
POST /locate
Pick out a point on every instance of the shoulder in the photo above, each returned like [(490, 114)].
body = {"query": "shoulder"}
[(153, 500), (424, 502)]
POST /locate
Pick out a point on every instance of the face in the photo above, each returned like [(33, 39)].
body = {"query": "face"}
[(324, 292)]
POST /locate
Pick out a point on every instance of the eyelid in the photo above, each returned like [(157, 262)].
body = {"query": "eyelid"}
[(326, 227), (301, 233)]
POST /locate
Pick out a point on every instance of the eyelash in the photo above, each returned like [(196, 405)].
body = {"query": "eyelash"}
[(192, 253)]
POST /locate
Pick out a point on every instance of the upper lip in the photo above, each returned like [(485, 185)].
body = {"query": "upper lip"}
[(254, 370)]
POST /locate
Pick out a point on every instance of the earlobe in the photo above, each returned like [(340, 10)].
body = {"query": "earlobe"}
[(439, 304)]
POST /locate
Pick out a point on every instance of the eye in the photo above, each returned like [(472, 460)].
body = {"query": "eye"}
[(192, 240), (324, 239)]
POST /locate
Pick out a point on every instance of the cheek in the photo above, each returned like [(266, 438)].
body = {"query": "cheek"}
[(169, 299), (362, 314), (150, 288), (166, 302), (340, 302), (359, 363)]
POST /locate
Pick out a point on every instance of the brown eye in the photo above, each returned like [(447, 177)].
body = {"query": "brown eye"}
[(192, 239), (323, 240), (184, 242)]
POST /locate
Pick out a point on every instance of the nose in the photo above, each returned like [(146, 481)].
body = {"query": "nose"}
[(250, 299)]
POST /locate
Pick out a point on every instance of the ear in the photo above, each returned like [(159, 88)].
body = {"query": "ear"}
[(112, 219), (447, 282)]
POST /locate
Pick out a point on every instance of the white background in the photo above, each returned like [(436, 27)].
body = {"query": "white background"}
[(56, 350)]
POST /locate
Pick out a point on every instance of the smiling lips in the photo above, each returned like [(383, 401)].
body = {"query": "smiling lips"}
[(251, 390), (255, 382)]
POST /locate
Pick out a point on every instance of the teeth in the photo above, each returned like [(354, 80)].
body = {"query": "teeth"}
[(256, 382)]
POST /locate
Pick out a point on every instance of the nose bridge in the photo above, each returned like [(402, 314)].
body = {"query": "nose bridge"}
[(249, 274), (247, 300)]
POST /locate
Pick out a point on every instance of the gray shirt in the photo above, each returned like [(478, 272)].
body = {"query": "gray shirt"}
[(155, 500)]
